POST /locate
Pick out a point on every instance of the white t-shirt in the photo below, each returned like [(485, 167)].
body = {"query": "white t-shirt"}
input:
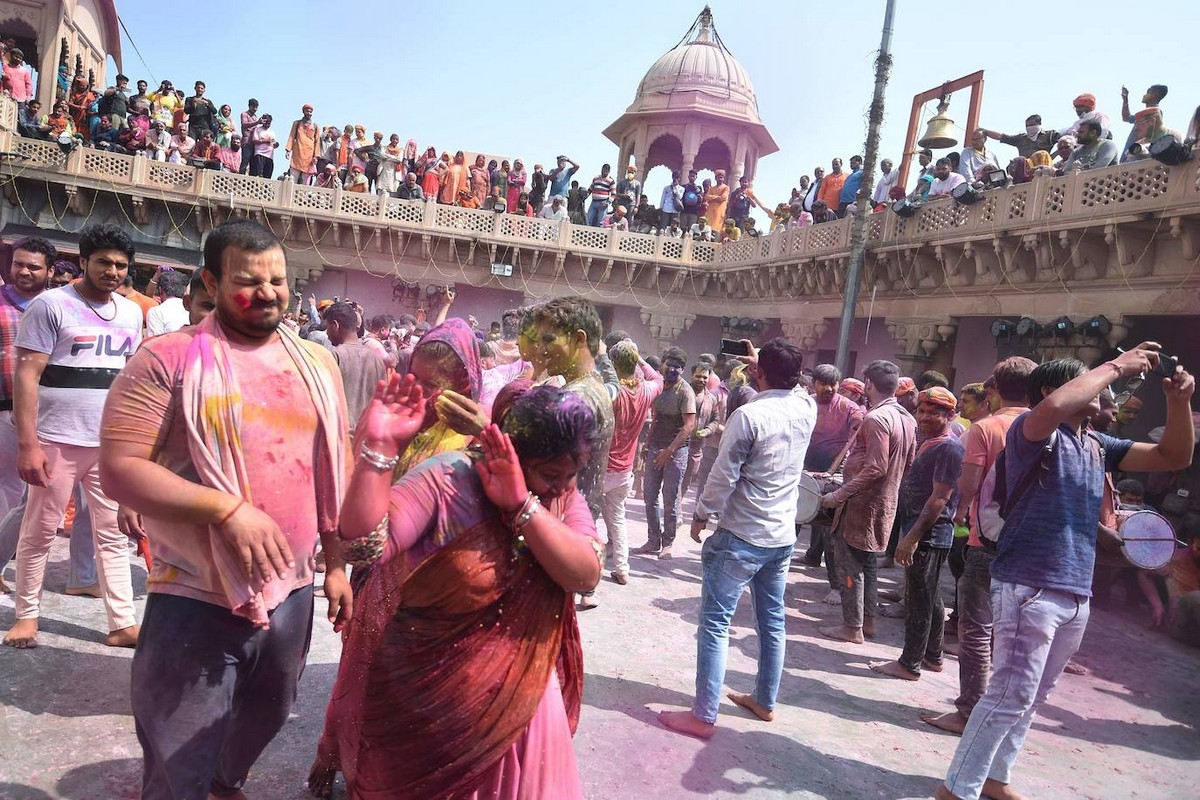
[(945, 187), (88, 345), (167, 316)]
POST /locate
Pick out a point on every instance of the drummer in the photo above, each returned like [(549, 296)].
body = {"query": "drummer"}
[(838, 419), (1042, 573)]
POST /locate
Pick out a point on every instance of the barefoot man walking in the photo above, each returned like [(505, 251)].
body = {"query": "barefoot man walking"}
[(752, 490)]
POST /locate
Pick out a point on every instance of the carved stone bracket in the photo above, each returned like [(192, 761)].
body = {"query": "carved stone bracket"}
[(806, 334), (919, 338), (666, 327)]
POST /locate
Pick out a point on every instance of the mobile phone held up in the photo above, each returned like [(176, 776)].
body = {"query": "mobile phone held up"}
[(734, 347)]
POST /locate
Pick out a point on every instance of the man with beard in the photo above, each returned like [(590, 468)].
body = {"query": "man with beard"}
[(301, 148), (1094, 151), (666, 459), (838, 419), (229, 438), (70, 346), (710, 413)]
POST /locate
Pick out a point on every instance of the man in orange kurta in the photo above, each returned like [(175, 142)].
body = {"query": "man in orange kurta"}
[(717, 200), (831, 186), (301, 148)]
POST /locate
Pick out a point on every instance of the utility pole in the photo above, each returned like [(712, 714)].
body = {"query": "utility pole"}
[(858, 226)]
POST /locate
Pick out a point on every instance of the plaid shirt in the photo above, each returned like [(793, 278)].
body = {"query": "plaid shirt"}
[(10, 319)]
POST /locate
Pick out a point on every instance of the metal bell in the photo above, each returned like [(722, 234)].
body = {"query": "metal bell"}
[(939, 133)]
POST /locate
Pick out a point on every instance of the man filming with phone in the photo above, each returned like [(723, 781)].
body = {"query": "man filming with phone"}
[(1046, 552)]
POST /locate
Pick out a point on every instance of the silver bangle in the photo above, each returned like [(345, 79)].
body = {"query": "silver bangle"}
[(532, 504), (378, 460)]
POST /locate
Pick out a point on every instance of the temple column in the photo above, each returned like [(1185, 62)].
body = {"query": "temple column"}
[(919, 341), (666, 328)]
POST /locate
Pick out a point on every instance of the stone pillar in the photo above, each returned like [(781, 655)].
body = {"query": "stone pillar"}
[(806, 334)]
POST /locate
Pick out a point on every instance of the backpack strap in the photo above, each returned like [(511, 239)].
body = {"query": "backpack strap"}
[(1032, 475)]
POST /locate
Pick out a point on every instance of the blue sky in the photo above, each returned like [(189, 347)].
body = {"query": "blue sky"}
[(532, 79)]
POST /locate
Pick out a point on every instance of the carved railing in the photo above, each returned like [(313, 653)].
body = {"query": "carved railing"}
[(1080, 200)]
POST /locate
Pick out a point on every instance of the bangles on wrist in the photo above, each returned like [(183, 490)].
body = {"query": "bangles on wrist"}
[(378, 460)]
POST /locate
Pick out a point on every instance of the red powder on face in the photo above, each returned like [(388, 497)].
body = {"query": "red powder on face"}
[(244, 300)]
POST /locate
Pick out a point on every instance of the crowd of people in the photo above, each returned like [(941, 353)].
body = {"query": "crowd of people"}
[(449, 482)]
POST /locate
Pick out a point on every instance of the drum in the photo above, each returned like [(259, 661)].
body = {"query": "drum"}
[(1147, 538), (810, 499)]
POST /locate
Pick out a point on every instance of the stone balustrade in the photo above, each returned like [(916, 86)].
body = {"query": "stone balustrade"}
[(1133, 228)]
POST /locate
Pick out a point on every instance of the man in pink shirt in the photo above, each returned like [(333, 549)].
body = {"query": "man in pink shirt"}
[(882, 450), (983, 441), (838, 418), (229, 439), (640, 387)]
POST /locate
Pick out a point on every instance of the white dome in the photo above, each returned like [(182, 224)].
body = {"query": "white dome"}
[(699, 64)]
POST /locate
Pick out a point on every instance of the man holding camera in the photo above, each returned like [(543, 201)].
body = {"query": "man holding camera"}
[(1042, 572)]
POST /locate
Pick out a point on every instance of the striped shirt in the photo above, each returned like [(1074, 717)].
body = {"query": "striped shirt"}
[(602, 187)]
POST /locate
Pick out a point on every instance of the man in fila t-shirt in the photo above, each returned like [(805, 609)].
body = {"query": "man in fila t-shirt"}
[(71, 344)]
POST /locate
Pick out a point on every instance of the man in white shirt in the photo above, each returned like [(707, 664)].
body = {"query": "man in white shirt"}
[(944, 179), (71, 344), (169, 315), (883, 189), (976, 156), (555, 210), (753, 490)]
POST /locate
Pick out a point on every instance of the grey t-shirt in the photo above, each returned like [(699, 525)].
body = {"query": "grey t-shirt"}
[(669, 410), (88, 345), (362, 369)]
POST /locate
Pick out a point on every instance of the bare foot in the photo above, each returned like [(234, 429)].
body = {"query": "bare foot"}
[(4, 589), (124, 637), (892, 595), (942, 793), (685, 722), (85, 591), (932, 666), (841, 633), (1073, 668), (869, 628), (999, 791), (23, 634), (834, 598), (321, 776), (749, 703), (896, 670), (950, 722), (950, 649)]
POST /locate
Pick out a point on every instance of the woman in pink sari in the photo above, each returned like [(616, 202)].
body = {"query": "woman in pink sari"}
[(516, 183), (470, 686), (481, 180), (455, 179)]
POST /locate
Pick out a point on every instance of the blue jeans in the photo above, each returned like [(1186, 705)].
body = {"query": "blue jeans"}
[(83, 549), (596, 211), (1036, 632), (668, 480), (730, 564)]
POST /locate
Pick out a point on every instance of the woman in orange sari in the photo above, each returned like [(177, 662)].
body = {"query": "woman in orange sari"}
[(471, 687), (455, 179), (480, 181)]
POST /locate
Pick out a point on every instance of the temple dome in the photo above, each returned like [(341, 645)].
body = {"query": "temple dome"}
[(700, 63)]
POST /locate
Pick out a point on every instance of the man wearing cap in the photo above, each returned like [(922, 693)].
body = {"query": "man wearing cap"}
[(629, 188), (1085, 110), (926, 505), (301, 148), (854, 390), (717, 200), (357, 180)]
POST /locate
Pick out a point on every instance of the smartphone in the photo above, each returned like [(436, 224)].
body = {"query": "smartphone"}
[(734, 347), (1166, 365)]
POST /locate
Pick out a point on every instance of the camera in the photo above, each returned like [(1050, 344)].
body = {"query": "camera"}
[(1166, 365)]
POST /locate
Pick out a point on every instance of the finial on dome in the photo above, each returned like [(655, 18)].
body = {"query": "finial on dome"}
[(704, 35)]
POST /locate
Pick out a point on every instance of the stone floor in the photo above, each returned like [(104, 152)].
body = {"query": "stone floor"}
[(1127, 730)]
